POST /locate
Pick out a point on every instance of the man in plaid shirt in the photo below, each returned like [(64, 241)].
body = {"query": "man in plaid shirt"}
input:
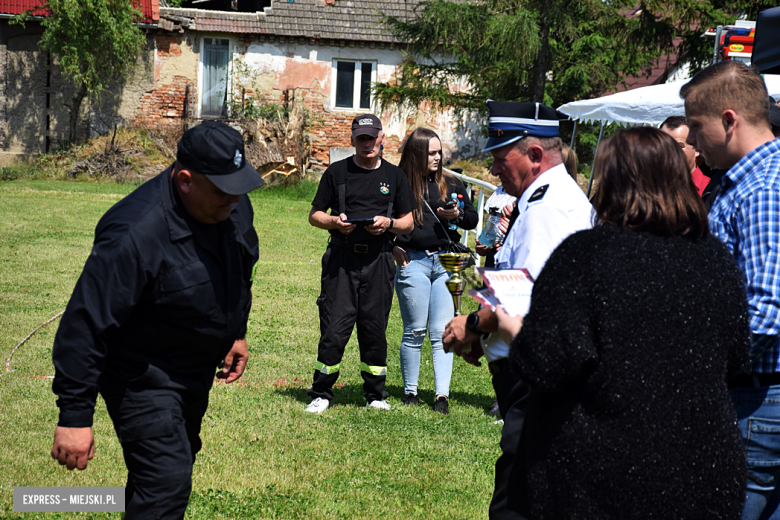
[(728, 112)]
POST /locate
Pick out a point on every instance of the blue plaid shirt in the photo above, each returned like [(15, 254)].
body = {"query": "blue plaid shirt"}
[(746, 217)]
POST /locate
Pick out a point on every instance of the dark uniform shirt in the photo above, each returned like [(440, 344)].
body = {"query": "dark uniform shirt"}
[(431, 235), (160, 289), (367, 194)]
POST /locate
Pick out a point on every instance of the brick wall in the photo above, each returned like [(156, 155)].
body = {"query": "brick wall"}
[(334, 129), (164, 105)]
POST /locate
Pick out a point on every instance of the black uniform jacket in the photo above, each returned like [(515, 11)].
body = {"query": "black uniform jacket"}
[(158, 289)]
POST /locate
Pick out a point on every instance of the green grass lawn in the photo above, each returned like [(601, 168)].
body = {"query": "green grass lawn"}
[(263, 456)]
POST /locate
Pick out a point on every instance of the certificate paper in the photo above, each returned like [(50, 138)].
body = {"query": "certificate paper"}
[(511, 288), (484, 297)]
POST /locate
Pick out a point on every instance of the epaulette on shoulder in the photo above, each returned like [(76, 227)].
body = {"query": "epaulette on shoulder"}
[(539, 193)]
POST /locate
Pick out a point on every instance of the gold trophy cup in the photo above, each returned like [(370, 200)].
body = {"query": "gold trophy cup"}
[(454, 263)]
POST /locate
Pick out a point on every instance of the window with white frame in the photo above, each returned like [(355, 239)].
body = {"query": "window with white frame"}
[(353, 84)]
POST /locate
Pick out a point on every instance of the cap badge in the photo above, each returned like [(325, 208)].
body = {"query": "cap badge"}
[(365, 121), (237, 159)]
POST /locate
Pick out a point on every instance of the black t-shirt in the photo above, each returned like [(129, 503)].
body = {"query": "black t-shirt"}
[(431, 234), (367, 194)]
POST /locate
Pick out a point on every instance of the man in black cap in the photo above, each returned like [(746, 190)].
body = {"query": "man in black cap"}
[(163, 300), (523, 140), (370, 201)]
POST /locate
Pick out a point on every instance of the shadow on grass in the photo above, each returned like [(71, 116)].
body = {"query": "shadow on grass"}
[(353, 395)]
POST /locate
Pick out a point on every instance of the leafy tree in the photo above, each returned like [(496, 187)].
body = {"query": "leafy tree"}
[(460, 53), (95, 42)]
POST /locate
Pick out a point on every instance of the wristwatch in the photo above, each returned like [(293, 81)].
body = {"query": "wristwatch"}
[(472, 324), (391, 224)]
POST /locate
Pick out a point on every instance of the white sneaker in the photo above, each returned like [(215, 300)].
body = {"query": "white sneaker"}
[(378, 405), (318, 405)]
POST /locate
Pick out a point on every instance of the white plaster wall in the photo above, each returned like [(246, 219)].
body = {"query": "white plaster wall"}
[(461, 136)]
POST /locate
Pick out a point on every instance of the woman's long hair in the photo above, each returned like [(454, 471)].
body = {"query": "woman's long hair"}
[(414, 161), (644, 184)]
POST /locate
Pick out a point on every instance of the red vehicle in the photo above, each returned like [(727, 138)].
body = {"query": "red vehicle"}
[(733, 42)]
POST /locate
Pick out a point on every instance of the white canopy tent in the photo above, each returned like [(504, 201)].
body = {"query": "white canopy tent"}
[(650, 105)]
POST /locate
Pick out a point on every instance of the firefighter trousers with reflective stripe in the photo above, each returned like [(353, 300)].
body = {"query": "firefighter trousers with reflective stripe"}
[(357, 291)]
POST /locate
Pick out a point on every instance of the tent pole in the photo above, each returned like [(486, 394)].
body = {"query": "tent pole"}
[(573, 133), (593, 166)]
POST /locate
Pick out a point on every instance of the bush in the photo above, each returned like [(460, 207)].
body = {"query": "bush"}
[(21, 170)]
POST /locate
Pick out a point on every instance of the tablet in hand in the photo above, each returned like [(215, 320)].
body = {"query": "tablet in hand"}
[(363, 222)]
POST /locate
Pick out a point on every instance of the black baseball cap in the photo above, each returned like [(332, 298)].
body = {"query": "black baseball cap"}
[(217, 151), (366, 124)]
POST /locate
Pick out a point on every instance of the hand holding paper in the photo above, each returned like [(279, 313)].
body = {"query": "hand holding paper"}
[(511, 288), (508, 326)]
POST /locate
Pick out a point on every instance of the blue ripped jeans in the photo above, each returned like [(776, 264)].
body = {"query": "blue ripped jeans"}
[(426, 306), (758, 412)]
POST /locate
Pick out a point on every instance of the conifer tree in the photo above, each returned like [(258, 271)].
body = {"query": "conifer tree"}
[(461, 52)]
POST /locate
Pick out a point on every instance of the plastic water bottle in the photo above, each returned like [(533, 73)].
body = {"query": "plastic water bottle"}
[(488, 236), (500, 235), (454, 197)]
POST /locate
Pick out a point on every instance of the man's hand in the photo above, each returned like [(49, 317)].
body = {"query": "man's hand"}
[(345, 227), (73, 447), (235, 361), (456, 336), (472, 357), (380, 225)]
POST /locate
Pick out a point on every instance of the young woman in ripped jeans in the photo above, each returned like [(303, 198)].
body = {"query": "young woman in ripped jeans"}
[(426, 305)]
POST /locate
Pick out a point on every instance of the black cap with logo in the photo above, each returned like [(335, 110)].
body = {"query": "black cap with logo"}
[(366, 124), (217, 151)]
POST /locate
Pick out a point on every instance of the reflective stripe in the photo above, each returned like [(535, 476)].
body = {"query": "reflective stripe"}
[(325, 369), (374, 371)]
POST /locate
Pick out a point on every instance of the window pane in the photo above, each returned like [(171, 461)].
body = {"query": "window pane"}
[(215, 61), (345, 83), (365, 85)]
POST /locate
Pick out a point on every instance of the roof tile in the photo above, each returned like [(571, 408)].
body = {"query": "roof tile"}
[(149, 8), (357, 21)]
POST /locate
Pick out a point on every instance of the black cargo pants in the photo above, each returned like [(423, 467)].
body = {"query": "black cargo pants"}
[(159, 430), (357, 289), (507, 497)]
